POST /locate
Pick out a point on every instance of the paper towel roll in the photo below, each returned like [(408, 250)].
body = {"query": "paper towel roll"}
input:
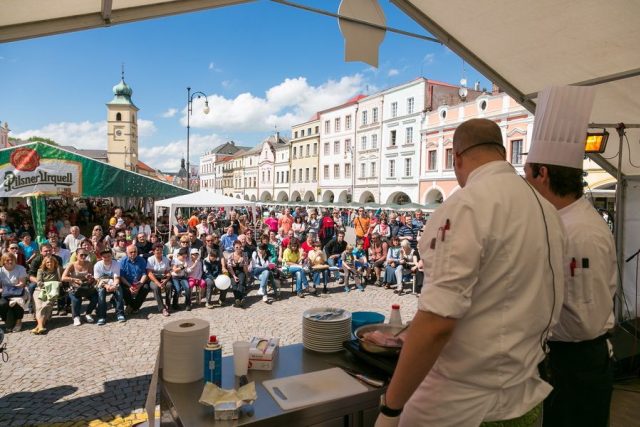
[(183, 342)]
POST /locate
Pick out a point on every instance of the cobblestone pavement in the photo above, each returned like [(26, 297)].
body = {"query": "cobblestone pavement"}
[(87, 374)]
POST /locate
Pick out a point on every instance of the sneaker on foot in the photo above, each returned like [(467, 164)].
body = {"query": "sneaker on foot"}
[(209, 305), (101, 322), (261, 292), (347, 289), (165, 312), (300, 294), (188, 308), (341, 281), (18, 326), (265, 298), (76, 321), (121, 318), (88, 318)]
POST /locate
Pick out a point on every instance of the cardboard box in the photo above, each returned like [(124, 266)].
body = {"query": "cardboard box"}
[(262, 353)]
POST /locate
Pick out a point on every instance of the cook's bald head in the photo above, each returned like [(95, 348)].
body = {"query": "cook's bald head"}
[(475, 133)]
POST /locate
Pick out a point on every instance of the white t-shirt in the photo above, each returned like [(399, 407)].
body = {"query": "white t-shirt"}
[(100, 270), (12, 277), (158, 267)]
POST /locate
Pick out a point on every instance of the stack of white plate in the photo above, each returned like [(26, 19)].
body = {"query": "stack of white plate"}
[(325, 328)]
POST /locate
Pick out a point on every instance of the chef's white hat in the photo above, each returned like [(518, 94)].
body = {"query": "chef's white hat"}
[(560, 126)]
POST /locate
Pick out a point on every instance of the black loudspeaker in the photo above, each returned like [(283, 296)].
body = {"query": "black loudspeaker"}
[(626, 352)]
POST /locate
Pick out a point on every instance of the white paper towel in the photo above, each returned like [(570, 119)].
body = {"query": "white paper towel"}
[(183, 343)]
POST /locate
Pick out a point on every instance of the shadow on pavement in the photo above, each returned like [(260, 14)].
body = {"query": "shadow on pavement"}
[(120, 398)]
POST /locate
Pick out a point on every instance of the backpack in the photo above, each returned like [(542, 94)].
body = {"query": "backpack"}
[(327, 229)]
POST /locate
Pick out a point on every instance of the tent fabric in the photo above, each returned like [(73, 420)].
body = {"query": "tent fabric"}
[(22, 19), (200, 199), (39, 169), (525, 46)]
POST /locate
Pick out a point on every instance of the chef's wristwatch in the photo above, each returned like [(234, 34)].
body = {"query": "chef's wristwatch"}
[(384, 409)]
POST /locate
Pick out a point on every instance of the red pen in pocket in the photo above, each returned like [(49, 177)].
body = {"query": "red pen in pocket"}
[(573, 266)]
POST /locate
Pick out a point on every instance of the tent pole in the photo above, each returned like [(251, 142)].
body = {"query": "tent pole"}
[(618, 225)]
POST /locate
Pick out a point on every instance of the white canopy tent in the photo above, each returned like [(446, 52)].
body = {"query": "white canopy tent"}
[(199, 199), (520, 45)]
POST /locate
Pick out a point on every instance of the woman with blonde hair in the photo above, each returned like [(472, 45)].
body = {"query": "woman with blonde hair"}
[(13, 280), (47, 292)]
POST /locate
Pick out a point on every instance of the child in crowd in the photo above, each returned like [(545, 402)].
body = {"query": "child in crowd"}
[(194, 275), (349, 269), (360, 259)]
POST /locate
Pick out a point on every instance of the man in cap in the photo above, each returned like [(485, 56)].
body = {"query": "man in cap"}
[(492, 258), (579, 365)]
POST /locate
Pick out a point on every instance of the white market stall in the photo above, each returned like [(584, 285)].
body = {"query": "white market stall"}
[(199, 199)]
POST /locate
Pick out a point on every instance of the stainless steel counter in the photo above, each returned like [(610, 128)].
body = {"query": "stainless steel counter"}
[(180, 401)]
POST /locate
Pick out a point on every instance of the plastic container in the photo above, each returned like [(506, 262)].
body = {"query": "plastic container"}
[(395, 318), (361, 318), (213, 361)]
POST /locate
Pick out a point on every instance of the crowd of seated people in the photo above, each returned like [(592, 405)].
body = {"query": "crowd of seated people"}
[(201, 260)]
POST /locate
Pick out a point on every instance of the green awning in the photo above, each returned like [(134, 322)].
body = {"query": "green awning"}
[(39, 169)]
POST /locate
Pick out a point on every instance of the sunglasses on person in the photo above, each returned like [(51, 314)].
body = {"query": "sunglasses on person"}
[(82, 255)]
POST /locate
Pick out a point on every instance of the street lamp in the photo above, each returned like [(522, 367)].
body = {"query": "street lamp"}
[(205, 110)]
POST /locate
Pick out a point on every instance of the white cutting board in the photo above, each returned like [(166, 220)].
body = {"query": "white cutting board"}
[(312, 388)]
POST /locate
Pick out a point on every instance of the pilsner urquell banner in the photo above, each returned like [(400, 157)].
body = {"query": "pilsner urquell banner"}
[(39, 169)]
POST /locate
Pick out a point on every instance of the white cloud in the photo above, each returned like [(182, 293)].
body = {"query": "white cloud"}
[(80, 135), (89, 135), (429, 58), (290, 102), (213, 67), (167, 156), (146, 128), (171, 112), (393, 72)]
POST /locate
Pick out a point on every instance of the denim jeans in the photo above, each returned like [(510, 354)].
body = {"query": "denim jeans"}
[(318, 274), (181, 284), (76, 303), (301, 277), (265, 276), (333, 262), (212, 290), (102, 302)]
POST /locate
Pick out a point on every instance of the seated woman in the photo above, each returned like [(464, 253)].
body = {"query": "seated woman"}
[(159, 272), (319, 267), (179, 266), (47, 292), (237, 265), (393, 263), (349, 269), (408, 262), (378, 255), (13, 280), (263, 269), (292, 261), (79, 275)]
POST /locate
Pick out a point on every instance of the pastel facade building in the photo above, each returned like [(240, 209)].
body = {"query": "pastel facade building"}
[(305, 143), (368, 147), (337, 156)]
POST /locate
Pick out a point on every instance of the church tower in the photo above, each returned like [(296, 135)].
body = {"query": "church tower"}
[(122, 128)]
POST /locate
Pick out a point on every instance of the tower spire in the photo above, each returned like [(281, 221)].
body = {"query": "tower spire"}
[(122, 73)]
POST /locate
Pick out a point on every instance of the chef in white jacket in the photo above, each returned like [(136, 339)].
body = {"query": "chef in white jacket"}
[(579, 363), (493, 286)]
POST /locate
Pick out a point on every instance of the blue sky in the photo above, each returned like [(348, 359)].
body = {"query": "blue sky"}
[(262, 65)]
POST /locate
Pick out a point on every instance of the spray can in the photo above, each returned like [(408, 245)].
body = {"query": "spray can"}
[(213, 361)]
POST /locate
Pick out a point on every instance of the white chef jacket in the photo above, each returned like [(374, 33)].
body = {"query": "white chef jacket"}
[(587, 311), (491, 272)]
